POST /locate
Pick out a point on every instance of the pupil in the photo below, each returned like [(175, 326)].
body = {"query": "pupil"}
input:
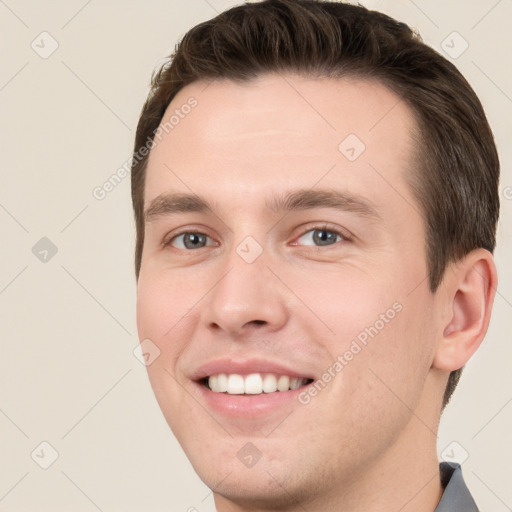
[(324, 237), (193, 240)]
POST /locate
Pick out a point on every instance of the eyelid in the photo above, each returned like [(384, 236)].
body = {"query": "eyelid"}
[(346, 235), (169, 237)]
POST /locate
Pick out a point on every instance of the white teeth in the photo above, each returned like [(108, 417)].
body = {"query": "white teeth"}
[(213, 382), (283, 383), (295, 382), (222, 383), (235, 384), (269, 383), (253, 384)]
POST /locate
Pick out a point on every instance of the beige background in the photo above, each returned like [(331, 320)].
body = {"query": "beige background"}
[(68, 375)]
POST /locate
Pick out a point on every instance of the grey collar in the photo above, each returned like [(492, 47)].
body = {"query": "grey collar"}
[(456, 496)]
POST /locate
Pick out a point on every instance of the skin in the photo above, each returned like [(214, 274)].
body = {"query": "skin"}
[(366, 441)]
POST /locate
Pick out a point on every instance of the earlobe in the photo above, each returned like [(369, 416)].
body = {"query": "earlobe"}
[(471, 286)]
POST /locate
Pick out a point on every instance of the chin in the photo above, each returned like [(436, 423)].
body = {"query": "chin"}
[(269, 484)]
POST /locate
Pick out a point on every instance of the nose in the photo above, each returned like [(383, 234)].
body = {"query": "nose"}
[(247, 298)]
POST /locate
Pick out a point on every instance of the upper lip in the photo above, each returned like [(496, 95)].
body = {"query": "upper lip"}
[(245, 367)]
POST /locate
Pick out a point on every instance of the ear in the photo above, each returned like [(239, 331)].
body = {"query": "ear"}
[(470, 285)]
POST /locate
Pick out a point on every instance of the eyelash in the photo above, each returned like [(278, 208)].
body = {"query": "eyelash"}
[(326, 227), (322, 227)]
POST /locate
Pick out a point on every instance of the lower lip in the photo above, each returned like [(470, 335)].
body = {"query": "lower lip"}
[(249, 406)]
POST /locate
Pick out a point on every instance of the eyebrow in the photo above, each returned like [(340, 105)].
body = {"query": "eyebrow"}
[(166, 204), (307, 199), (302, 199)]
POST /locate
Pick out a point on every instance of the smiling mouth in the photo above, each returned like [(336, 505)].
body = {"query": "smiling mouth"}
[(253, 383)]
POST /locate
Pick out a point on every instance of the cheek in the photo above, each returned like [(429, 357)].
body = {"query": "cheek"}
[(380, 332), (162, 305), (350, 303), (383, 370), (387, 376)]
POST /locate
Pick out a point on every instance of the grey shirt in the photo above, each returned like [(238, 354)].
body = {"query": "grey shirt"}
[(456, 496)]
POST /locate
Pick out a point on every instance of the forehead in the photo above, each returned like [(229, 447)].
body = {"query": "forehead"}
[(281, 131)]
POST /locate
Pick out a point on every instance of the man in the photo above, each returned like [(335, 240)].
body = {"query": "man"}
[(316, 198)]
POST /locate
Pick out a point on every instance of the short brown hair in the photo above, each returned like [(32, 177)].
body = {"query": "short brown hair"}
[(456, 182)]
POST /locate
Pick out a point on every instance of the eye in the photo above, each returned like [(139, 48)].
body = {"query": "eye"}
[(320, 236), (190, 240)]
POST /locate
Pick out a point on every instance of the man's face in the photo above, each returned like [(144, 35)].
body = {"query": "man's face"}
[(277, 277)]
